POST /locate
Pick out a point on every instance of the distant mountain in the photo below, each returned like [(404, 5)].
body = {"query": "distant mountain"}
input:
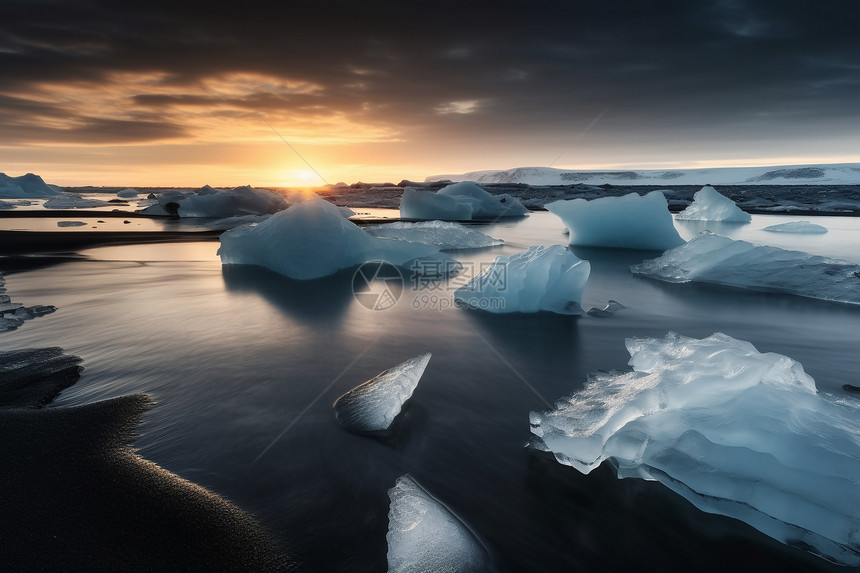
[(836, 173)]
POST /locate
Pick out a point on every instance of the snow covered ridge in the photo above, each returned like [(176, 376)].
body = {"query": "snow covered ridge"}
[(835, 173), (312, 239), (734, 431), (710, 258)]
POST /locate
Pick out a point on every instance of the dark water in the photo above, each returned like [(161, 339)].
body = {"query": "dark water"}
[(245, 365)]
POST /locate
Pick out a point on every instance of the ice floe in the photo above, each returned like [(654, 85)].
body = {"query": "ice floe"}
[(13, 314), (800, 227), (709, 205), (711, 258), (372, 406), (628, 222), (463, 201), (736, 432), (444, 234), (539, 279)]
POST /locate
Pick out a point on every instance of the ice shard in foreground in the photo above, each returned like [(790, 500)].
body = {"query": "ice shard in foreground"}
[(424, 536), (372, 406), (734, 431)]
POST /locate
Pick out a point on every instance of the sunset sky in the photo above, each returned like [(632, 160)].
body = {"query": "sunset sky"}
[(179, 93)]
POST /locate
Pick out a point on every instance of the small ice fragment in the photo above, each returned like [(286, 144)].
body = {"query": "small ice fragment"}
[(372, 406), (800, 227), (611, 308)]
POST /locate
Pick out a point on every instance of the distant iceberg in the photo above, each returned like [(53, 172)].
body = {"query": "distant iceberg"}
[(463, 201), (424, 536), (444, 234), (220, 203), (800, 227), (710, 258), (540, 279), (373, 406), (734, 431), (312, 239), (127, 193), (27, 186), (628, 222), (709, 205)]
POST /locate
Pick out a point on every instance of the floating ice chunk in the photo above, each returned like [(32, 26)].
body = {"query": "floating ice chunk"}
[(70, 223), (734, 431), (539, 279), (628, 222), (312, 239), (428, 205), (209, 202), (443, 234), (424, 536), (710, 258), (484, 205), (611, 308), (801, 227), (127, 193), (73, 201), (27, 186), (13, 314), (372, 406), (709, 205)]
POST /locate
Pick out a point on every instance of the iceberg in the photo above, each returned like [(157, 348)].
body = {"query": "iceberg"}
[(73, 201), (372, 406), (709, 205), (127, 193), (539, 279), (734, 431), (312, 239), (628, 222), (27, 186), (221, 203), (444, 234), (710, 258), (800, 227), (424, 536), (463, 201)]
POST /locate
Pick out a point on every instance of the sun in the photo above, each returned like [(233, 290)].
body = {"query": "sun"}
[(302, 178)]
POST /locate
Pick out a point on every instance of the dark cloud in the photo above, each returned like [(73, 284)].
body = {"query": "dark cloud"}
[(543, 67)]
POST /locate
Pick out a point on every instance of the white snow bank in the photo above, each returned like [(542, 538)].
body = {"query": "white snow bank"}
[(800, 227), (424, 536), (539, 279), (709, 205), (710, 258), (734, 431), (372, 406), (463, 201), (312, 239), (628, 222), (443, 234), (27, 186)]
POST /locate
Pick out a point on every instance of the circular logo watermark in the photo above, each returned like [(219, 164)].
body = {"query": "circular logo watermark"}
[(377, 285)]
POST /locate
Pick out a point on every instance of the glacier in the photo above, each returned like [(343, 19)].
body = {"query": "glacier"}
[(444, 234), (312, 239), (540, 279), (710, 258), (734, 431), (463, 201), (424, 536), (800, 227), (373, 406), (628, 222), (709, 205)]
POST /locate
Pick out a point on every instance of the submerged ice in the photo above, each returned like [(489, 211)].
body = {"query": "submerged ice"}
[(539, 279), (372, 406), (312, 239), (710, 258), (444, 234), (628, 222), (735, 431), (709, 205), (463, 201), (424, 536)]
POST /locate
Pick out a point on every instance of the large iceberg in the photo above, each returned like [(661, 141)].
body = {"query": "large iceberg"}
[(27, 186), (710, 258), (444, 234), (424, 536), (734, 431), (372, 406), (312, 239), (628, 222), (709, 205), (463, 201), (539, 279), (220, 203), (800, 227)]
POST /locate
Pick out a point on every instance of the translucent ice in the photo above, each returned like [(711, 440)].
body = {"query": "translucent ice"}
[(801, 227), (710, 258), (628, 222), (734, 431), (539, 279), (424, 536), (462, 201), (443, 234), (312, 239), (709, 205), (372, 406)]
